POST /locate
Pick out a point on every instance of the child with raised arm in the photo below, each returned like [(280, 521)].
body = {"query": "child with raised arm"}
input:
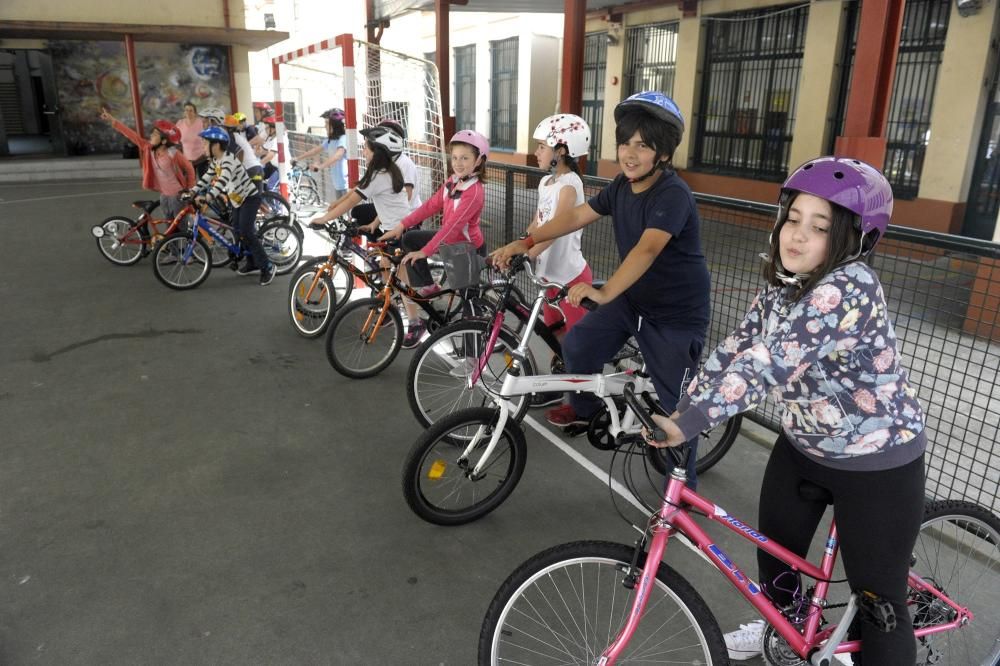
[(460, 201), (164, 168), (562, 139), (660, 293), (818, 338)]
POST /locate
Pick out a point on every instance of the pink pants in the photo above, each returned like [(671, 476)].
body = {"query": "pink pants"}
[(574, 313)]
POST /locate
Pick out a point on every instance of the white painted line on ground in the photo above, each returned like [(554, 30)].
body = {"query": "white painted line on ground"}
[(67, 196), (601, 474)]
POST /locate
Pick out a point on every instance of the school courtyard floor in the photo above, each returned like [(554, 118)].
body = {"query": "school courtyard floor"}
[(184, 480)]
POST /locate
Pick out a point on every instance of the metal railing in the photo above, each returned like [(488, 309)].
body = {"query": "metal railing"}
[(942, 293)]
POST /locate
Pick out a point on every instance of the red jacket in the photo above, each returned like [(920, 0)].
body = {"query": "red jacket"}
[(182, 166)]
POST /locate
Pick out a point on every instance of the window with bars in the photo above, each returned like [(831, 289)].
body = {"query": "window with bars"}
[(749, 93), (595, 56), (921, 44), (651, 57), (465, 87), (503, 94)]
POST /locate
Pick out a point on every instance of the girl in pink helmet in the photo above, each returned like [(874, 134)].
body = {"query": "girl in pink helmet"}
[(818, 338), (164, 167), (460, 202)]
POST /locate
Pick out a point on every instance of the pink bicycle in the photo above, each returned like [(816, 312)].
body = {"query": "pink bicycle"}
[(601, 603)]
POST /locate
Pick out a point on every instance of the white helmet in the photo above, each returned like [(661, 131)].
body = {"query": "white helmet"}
[(213, 114), (386, 138), (567, 129)]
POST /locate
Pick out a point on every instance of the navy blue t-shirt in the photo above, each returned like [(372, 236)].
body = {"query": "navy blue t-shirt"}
[(675, 289)]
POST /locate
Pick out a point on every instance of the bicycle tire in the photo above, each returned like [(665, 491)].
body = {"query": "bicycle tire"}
[(713, 444), (281, 244), (346, 346), (311, 303), (272, 205), (176, 274), (566, 604), (958, 548), (110, 246), (307, 196), (445, 474), (436, 378)]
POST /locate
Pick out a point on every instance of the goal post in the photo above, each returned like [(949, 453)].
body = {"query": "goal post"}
[(369, 83)]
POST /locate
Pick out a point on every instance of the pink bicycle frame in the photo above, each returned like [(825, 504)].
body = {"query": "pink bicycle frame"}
[(673, 517)]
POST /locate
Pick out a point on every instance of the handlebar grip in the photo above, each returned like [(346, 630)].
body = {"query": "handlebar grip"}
[(590, 305), (640, 411)]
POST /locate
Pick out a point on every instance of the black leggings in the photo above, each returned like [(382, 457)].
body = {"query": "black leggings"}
[(878, 517)]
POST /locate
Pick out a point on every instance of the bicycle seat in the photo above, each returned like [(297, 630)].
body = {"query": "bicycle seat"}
[(147, 206), (810, 492)]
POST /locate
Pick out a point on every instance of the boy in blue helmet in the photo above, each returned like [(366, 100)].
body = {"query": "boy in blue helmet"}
[(660, 292)]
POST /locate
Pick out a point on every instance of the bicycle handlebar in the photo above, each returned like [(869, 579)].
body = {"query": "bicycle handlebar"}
[(521, 262)]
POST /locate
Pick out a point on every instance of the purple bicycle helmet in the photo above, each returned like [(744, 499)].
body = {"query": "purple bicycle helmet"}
[(474, 139), (851, 184)]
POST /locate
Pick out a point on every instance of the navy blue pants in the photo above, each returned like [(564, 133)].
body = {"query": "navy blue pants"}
[(245, 216), (671, 356)]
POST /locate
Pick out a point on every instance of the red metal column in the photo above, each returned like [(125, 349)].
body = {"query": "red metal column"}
[(234, 98), (871, 85), (442, 53), (571, 88), (133, 78)]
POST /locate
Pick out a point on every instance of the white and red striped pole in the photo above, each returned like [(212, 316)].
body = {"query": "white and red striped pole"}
[(346, 44), (279, 124)]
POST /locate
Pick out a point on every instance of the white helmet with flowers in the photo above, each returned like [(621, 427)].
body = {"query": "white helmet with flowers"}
[(565, 129)]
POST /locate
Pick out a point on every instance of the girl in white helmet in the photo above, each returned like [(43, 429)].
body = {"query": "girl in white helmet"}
[(562, 139)]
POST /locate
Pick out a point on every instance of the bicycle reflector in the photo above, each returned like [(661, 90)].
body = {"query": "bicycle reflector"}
[(436, 471), (98, 231)]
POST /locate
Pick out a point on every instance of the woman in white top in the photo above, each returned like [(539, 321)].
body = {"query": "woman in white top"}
[(562, 138)]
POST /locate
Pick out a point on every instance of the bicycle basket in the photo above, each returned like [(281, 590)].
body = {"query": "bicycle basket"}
[(462, 264)]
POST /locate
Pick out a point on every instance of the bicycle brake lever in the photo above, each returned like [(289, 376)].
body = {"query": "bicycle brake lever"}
[(640, 411)]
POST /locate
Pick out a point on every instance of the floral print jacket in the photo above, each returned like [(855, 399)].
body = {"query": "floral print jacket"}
[(830, 360)]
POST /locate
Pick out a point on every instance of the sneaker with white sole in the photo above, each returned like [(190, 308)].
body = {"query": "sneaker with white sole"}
[(746, 642)]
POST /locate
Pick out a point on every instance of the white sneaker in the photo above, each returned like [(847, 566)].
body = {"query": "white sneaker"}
[(746, 642)]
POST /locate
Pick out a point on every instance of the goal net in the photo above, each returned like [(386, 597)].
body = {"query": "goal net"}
[(370, 84)]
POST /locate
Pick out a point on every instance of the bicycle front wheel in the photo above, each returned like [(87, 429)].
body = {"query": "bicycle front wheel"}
[(437, 478), (437, 380), (364, 338), (314, 295), (567, 604), (182, 262), (958, 551), (120, 241)]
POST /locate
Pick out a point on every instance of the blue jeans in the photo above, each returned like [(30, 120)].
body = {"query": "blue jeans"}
[(671, 357)]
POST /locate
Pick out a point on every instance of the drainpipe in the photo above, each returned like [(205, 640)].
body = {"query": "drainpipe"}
[(133, 78)]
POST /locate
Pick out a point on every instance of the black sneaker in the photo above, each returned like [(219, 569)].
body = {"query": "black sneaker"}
[(413, 335), (267, 275), (546, 399)]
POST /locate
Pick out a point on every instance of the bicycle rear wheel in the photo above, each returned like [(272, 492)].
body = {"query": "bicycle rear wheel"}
[(958, 549), (436, 478), (567, 604), (357, 345), (436, 382), (173, 266), (120, 241), (313, 300), (281, 244)]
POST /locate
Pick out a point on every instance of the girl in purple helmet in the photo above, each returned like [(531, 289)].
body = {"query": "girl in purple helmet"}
[(819, 340)]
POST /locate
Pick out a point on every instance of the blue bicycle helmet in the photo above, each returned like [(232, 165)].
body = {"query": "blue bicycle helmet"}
[(655, 103), (215, 134)]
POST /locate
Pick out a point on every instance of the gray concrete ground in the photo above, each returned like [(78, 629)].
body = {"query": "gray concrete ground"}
[(184, 480)]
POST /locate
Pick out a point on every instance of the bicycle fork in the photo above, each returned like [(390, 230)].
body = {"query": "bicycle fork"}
[(463, 460)]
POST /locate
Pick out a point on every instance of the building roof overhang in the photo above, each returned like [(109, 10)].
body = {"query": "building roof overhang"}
[(255, 40)]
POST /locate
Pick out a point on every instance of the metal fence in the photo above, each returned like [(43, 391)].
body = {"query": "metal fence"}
[(938, 289), (753, 60)]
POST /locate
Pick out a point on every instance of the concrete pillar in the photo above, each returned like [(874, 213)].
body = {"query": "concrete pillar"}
[(241, 78), (817, 88), (687, 82), (955, 128), (614, 75)]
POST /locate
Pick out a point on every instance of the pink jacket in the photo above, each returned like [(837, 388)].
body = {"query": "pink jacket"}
[(182, 167), (458, 223)]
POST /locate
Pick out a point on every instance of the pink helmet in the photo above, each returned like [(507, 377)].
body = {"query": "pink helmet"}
[(474, 139)]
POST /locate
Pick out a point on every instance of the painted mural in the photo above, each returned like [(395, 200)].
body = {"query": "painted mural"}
[(90, 75)]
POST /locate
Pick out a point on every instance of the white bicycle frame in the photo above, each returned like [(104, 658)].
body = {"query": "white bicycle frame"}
[(605, 387)]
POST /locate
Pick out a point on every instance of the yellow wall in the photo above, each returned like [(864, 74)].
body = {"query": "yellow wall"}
[(175, 12), (817, 82), (959, 103), (687, 83)]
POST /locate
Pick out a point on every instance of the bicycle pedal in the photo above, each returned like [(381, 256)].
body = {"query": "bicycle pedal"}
[(574, 430)]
